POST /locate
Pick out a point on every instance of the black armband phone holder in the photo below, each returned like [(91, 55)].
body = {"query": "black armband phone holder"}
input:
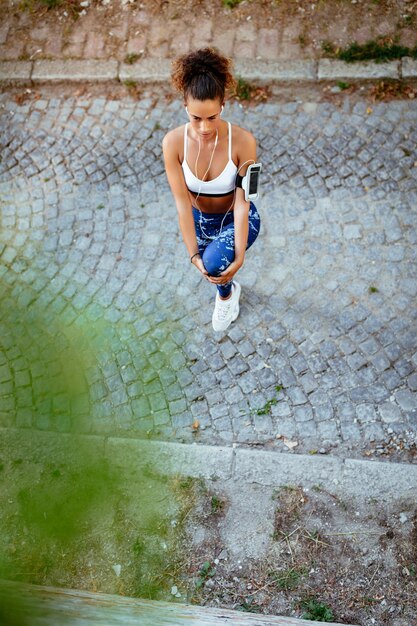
[(250, 182)]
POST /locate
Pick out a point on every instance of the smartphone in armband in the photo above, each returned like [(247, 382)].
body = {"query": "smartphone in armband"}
[(250, 182)]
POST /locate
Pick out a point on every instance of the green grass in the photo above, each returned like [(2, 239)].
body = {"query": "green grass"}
[(316, 611), (217, 505), (131, 58), (379, 50), (230, 4), (206, 571), (288, 579), (243, 89), (266, 409), (249, 606)]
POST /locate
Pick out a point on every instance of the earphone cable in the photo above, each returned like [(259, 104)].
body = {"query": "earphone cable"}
[(202, 180)]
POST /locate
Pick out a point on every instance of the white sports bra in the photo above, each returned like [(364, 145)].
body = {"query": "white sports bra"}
[(223, 185)]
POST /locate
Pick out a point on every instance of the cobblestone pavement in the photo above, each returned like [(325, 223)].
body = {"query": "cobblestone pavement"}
[(104, 327)]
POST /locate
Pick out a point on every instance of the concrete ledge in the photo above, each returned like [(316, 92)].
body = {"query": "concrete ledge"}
[(276, 70), (385, 480), (408, 67), (189, 459), (15, 70), (158, 70), (343, 476), (74, 70), (330, 69), (148, 70)]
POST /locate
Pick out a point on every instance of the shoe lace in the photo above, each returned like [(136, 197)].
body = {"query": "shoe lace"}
[(223, 309)]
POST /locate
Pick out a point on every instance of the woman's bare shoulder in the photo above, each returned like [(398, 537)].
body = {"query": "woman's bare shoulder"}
[(242, 135), (174, 138)]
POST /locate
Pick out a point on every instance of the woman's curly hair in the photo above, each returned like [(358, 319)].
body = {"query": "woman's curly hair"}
[(204, 74)]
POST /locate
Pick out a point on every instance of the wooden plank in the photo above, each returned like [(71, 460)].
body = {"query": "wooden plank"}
[(34, 605)]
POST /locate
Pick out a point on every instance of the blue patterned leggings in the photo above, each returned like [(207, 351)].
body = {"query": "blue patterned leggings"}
[(217, 248)]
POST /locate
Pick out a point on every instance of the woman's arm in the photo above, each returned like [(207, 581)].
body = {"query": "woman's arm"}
[(246, 155), (182, 200)]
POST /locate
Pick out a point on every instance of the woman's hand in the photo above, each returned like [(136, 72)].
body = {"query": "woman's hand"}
[(227, 275), (198, 262)]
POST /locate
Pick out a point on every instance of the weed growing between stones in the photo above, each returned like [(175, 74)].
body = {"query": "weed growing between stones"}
[(266, 409)]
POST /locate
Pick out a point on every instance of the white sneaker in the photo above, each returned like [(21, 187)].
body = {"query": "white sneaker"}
[(226, 311)]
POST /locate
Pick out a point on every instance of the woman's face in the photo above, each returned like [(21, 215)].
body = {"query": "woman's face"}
[(204, 116)]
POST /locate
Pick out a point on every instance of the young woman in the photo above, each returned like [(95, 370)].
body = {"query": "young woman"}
[(204, 160)]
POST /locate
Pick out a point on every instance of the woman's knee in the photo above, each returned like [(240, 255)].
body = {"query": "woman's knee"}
[(215, 261)]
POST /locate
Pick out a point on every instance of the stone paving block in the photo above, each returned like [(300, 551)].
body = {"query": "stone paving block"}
[(296, 395), (267, 43), (95, 46), (366, 413), (12, 50), (303, 414), (373, 432), (180, 42), (237, 365), (406, 399), (403, 367), (389, 412), (412, 382), (247, 382), (380, 361), (244, 49), (4, 31), (204, 35), (224, 41)]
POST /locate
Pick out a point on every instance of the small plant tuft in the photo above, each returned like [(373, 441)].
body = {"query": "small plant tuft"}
[(316, 611), (131, 58), (217, 505), (249, 606), (243, 89), (231, 4), (328, 47), (206, 571), (266, 409), (289, 578)]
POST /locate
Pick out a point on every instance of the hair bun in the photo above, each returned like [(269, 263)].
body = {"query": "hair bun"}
[(204, 74)]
